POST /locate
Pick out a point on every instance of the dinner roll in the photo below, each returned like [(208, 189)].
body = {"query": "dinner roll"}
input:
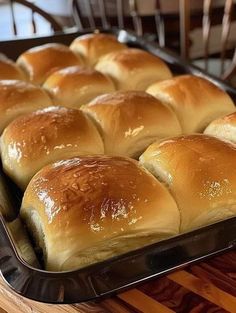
[(195, 100), (129, 121), (133, 69), (9, 69), (9, 207), (91, 47), (88, 209), (45, 136), (18, 98), (223, 128), (74, 86), (39, 62), (200, 172), (22, 242)]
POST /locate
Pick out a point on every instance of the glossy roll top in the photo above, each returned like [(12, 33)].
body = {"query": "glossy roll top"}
[(88, 209), (129, 121), (200, 172), (133, 69), (9, 69), (45, 136), (195, 100), (92, 47), (18, 98), (223, 128), (39, 62), (74, 86)]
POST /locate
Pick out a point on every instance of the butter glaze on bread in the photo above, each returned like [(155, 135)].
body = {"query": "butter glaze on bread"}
[(200, 172), (195, 100), (129, 121), (9, 70), (91, 47), (133, 69), (74, 86), (45, 136), (39, 62), (18, 98), (88, 209), (223, 128)]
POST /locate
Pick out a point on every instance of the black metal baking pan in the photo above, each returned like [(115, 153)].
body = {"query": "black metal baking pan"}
[(118, 273)]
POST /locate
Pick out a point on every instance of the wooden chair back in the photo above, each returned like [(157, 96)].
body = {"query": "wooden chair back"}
[(185, 28), (55, 26), (120, 13)]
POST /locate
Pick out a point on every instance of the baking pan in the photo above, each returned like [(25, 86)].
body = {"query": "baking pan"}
[(118, 273)]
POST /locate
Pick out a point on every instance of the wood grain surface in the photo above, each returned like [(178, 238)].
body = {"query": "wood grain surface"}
[(207, 287)]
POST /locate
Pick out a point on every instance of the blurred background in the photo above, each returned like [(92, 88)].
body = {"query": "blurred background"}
[(195, 29)]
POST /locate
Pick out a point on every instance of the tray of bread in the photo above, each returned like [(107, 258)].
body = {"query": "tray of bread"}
[(118, 164)]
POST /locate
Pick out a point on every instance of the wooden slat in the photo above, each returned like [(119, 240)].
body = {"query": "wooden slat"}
[(91, 307), (120, 13), (211, 274), (114, 307), (34, 27), (76, 14), (103, 14), (90, 14), (137, 22), (143, 302), (206, 290), (160, 26), (13, 18), (226, 24), (225, 262), (184, 15), (206, 27)]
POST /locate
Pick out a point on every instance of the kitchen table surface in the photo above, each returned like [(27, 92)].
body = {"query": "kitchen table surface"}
[(208, 286)]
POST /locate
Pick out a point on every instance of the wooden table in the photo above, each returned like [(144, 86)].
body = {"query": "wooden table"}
[(205, 287)]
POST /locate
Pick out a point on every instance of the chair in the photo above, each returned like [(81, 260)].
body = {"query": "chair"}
[(126, 14), (122, 14), (207, 23), (33, 14)]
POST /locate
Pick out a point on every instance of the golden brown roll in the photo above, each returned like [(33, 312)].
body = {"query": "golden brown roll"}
[(129, 121), (200, 173), (22, 242), (91, 47), (133, 69), (74, 86), (9, 69), (45, 136), (195, 100), (39, 62), (88, 209), (18, 98), (8, 206), (223, 128)]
